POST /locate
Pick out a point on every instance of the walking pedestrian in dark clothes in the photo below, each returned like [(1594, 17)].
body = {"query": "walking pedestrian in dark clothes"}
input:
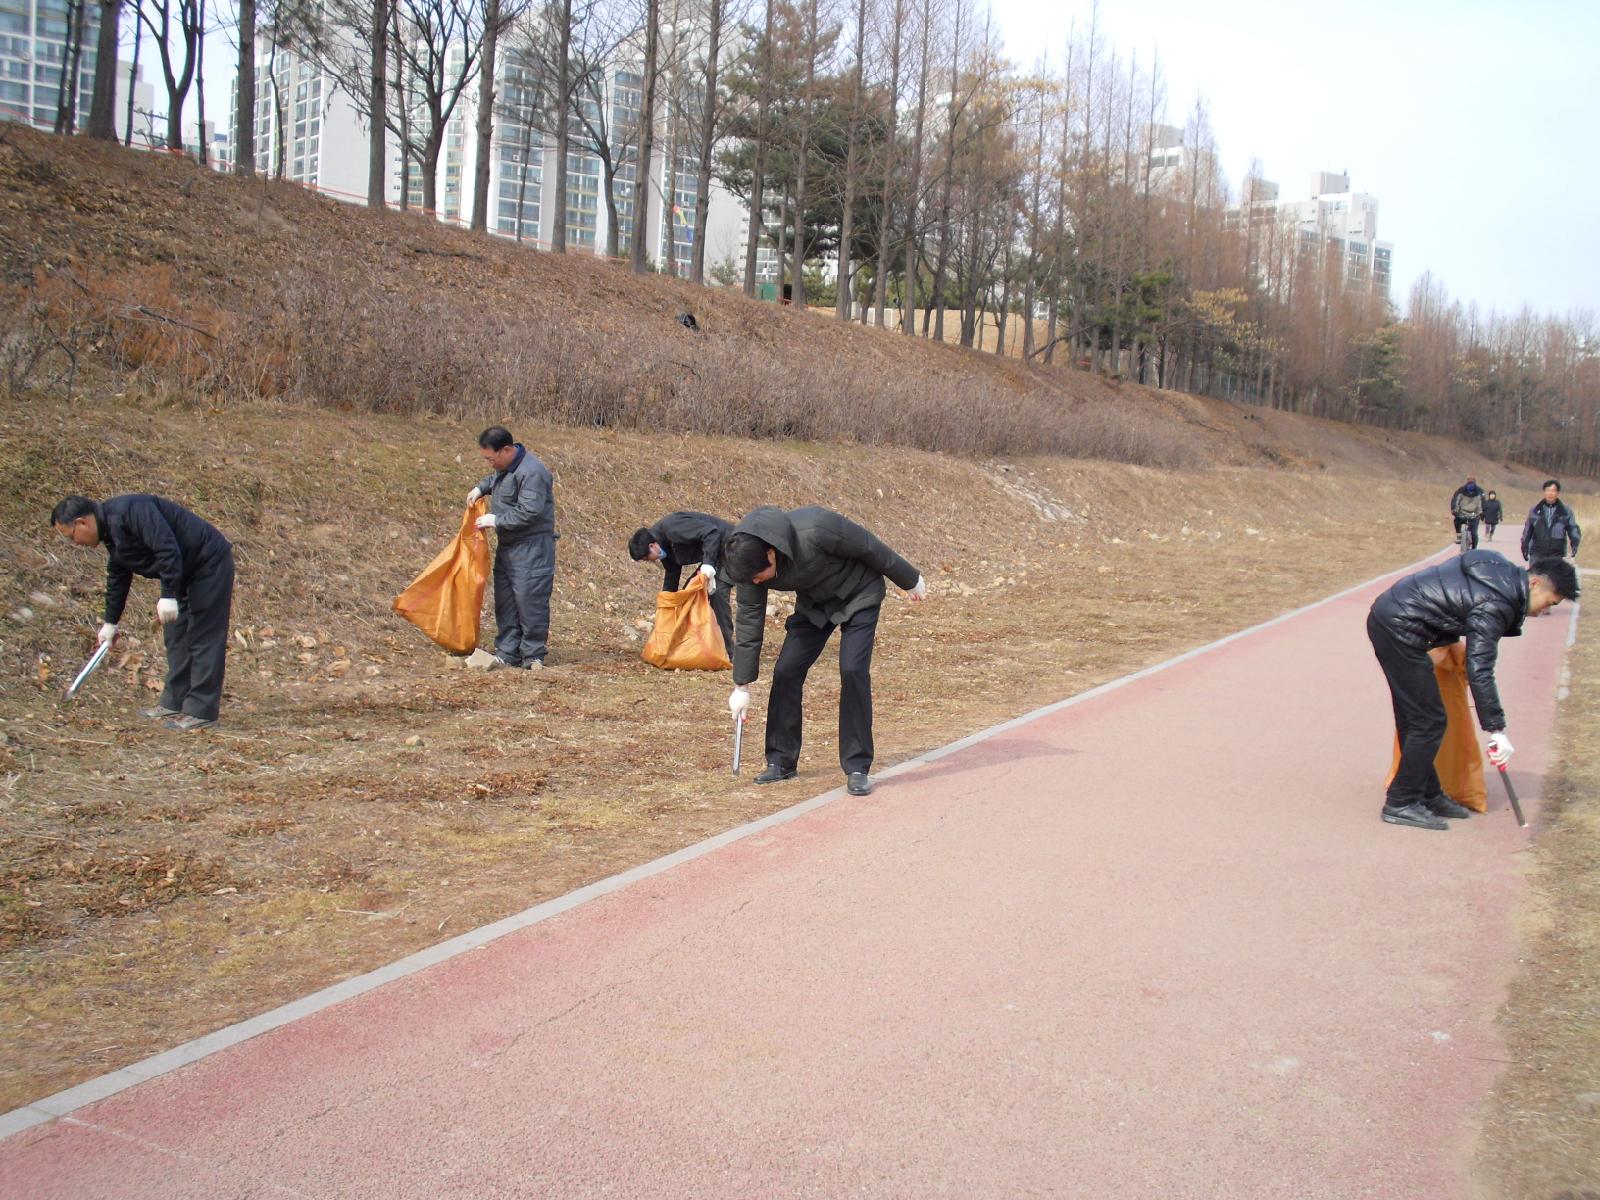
[(522, 513), (835, 569), (1482, 597), (1493, 511), (681, 538), (152, 537), (1550, 527)]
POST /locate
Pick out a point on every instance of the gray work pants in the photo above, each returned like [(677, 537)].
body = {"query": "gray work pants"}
[(524, 572)]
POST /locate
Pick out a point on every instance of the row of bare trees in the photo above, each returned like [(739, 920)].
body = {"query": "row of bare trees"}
[(899, 170)]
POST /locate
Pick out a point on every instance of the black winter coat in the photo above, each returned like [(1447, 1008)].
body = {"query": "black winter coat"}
[(688, 537), (834, 567), (157, 539), (1547, 531), (1493, 510), (1479, 595)]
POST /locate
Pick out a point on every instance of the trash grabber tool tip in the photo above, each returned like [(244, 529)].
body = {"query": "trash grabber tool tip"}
[(1511, 794)]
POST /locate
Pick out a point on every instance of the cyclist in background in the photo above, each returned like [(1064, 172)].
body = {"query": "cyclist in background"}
[(1466, 507)]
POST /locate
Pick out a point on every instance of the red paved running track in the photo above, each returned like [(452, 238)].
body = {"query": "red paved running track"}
[(1157, 944)]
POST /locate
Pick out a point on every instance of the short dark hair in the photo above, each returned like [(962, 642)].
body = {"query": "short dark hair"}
[(1555, 483), (744, 556), (496, 437), (1563, 576), (70, 509), (639, 544)]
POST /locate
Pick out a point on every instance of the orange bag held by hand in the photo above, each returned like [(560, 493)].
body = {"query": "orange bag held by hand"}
[(445, 600), (1459, 761), (687, 636)]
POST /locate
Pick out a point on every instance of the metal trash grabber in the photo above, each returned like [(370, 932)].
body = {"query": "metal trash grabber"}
[(89, 668), (738, 742), (1511, 794)]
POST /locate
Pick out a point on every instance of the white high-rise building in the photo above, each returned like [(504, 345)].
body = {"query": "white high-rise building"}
[(1333, 222), (33, 56)]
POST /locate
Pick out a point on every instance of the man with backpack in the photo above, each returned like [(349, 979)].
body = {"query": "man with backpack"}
[(1550, 527), (1466, 506), (1482, 597)]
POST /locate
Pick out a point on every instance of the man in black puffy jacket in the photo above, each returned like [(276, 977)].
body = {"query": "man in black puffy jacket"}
[(153, 537), (1482, 597), (835, 569)]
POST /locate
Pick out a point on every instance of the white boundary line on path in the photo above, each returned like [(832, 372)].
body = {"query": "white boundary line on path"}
[(65, 1102)]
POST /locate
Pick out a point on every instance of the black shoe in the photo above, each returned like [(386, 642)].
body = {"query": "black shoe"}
[(775, 774), (1442, 806), (858, 784), (1413, 814)]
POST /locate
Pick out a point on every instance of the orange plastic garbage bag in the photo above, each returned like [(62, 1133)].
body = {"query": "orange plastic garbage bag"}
[(687, 636), (1459, 761), (446, 599)]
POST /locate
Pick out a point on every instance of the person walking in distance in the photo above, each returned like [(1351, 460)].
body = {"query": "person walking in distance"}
[(836, 569), (1466, 507), (155, 538), (1482, 597), (681, 538), (1493, 510), (522, 513), (1550, 527)]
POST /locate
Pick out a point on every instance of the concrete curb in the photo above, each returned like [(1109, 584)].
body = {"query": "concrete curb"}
[(63, 1103)]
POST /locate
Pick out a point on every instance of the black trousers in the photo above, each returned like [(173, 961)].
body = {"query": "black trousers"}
[(1419, 714), (802, 644), (197, 642), (1472, 521)]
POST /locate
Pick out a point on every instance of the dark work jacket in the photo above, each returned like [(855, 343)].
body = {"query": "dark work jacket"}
[(1493, 510), (153, 537), (688, 537), (1479, 595), (834, 567), (1467, 501), (1547, 531), (522, 499)]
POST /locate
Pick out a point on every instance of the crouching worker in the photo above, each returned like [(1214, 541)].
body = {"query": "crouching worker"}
[(1480, 596), (681, 538), (835, 569), (153, 537)]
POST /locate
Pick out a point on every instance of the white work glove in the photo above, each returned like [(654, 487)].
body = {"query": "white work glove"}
[(739, 703), (485, 522), (919, 590), (166, 610), (108, 633), (473, 496), (1500, 749), (710, 573)]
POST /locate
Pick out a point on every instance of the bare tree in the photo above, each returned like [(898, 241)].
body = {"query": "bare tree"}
[(709, 113), (103, 104), (175, 27), (841, 308), (647, 120), (759, 175), (72, 57), (244, 102)]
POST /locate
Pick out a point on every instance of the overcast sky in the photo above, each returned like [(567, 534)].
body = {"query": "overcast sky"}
[(1473, 123)]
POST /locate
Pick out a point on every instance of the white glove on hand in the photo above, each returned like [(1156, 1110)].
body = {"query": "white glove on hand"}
[(919, 590), (473, 496), (739, 703), (1500, 749), (108, 633), (485, 522), (710, 573), (166, 610)]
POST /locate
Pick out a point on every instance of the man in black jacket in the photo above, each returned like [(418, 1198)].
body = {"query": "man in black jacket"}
[(680, 538), (1550, 527), (836, 570), (1478, 595), (1493, 510), (153, 537)]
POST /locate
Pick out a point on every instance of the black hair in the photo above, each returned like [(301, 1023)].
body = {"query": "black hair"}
[(1563, 576), (639, 544), (496, 437), (744, 556), (70, 509), (1555, 483)]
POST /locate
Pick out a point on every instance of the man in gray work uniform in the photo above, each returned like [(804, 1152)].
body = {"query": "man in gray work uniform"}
[(522, 512)]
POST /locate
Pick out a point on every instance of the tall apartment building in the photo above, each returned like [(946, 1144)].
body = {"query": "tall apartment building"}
[(1333, 222), (33, 56)]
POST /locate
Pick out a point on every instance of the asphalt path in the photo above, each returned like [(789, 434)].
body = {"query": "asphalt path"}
[(1153, 942)]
